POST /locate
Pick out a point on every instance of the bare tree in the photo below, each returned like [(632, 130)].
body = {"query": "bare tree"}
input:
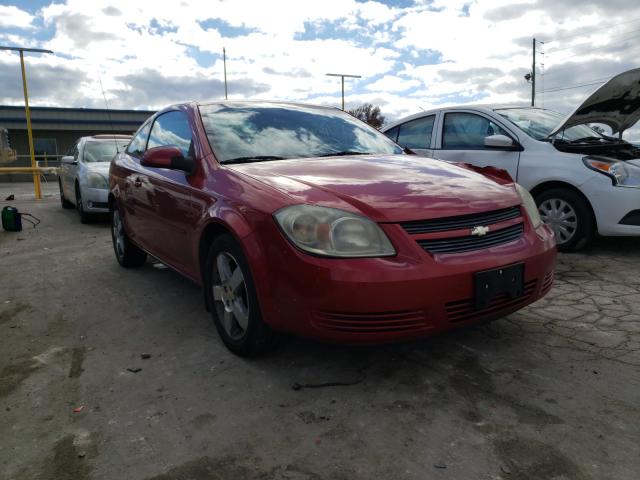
[(369, 114)]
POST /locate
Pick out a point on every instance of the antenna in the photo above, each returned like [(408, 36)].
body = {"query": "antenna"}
[(115, 142)]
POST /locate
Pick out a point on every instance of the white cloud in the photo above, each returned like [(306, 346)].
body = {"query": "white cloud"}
[(11, 16)]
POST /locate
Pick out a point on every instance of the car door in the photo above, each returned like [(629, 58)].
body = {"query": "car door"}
[(173, 220), (462, 139), (68, 173), (137, 205), (416, 134)]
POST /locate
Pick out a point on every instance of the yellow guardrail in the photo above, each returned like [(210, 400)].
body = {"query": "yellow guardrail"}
[(41, 170)]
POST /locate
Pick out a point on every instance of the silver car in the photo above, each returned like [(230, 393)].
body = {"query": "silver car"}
[(84, 173)]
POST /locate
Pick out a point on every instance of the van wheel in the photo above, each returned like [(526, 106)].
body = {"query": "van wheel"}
[(65, 203), (231, 293), (569, 216), (127, 254)]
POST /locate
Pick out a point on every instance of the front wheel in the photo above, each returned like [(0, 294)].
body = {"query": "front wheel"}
[(65, 203), (84, 216), (231, 293), (127, 254), (569, 216)]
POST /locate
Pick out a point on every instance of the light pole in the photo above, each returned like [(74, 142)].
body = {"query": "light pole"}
[(342, 75), (36, 175)]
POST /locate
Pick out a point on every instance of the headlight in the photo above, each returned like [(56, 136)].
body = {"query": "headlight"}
[(333, 233), (95, 180), (529, 205), (622, 174)]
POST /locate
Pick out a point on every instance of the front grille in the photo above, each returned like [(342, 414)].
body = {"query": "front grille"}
[(460, 222), (471, 242), (371, 322), (464, 310)]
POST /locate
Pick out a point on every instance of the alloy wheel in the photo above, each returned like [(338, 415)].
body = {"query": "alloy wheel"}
[(230, 295), (117, 230), (561, 217)]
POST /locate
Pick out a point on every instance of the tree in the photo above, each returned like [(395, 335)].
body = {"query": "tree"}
[(369, 114)]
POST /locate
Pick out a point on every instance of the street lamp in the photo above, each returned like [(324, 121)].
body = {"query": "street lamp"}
[(342, 75), (36, 175)]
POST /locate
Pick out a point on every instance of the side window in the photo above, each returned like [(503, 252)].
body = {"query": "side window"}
[(171, 129), (468, 131), (75, 152), (139, 143), (416, 133), (393, 133)]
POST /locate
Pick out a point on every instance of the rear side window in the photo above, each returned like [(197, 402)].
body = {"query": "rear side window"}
[(139, 143), (171, 129), (392, 133), (416, 133), (468, 131)]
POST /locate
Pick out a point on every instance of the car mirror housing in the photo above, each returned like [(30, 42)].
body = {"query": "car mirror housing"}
[(500, 141), (68, 160), (168, 157)]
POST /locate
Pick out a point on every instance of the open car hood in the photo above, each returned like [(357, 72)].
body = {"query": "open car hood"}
[(616, 104)]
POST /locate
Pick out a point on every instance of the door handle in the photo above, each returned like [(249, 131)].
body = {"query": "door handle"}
[(138, 182)]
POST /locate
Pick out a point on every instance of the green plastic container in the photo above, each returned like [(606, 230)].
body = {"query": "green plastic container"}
[(11, 219)]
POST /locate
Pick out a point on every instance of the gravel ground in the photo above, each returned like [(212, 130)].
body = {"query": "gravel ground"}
[(108, 373)]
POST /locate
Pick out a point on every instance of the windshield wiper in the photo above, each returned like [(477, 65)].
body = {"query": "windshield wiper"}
[(343, 153), (251, 159), (589, 139)]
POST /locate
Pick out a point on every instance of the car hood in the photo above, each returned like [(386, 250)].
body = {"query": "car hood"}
[(386, 188), (616, 104)]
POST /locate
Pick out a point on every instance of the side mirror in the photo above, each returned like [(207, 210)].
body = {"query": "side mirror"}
[(168, 157), (68, 160), (501, 142)]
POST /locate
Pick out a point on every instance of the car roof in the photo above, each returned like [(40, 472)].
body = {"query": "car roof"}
[(264, 103), (486, 107), (107, 137)]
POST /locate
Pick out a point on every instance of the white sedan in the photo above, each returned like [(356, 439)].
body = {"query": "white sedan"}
[(583, 181), (84, 173)]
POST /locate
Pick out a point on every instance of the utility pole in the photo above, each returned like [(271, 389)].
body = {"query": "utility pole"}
[(224, 61), (533, 75), (36, 175), (342, 75)]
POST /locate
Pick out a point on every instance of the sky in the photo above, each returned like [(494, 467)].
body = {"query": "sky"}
[(412, 55)]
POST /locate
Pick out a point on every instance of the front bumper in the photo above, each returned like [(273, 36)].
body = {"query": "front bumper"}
[(95, 200), (377, 300), (611, 205)]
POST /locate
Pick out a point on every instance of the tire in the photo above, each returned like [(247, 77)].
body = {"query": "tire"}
[(84, 216), (65, 203), (127, 254), (234, 302), (569, 216)]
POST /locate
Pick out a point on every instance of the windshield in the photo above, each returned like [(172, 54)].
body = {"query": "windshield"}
[(277, 131), (103, 151), (538, 123)]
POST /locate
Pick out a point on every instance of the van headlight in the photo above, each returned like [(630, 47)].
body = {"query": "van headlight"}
[(95, 180), (333, 233), (529, 205), (622, 174)]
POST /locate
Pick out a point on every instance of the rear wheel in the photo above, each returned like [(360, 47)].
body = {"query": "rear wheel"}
[(84, 216), (127, 254), (65, 203), (232, 295), (569, 216)]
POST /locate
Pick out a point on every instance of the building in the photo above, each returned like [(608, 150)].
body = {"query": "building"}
[(55, 130)]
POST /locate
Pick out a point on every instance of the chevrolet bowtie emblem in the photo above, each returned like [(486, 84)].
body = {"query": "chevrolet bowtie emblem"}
[(479, 231)]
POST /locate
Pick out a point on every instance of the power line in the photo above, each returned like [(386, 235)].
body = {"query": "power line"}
[(562, 59), (592, 30), (585, 43), (578, 85)]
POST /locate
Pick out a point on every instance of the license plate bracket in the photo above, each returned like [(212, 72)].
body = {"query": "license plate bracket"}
[(490, 283)]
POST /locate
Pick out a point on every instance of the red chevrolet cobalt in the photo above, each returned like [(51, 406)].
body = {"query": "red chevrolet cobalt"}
[(302, 219)]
